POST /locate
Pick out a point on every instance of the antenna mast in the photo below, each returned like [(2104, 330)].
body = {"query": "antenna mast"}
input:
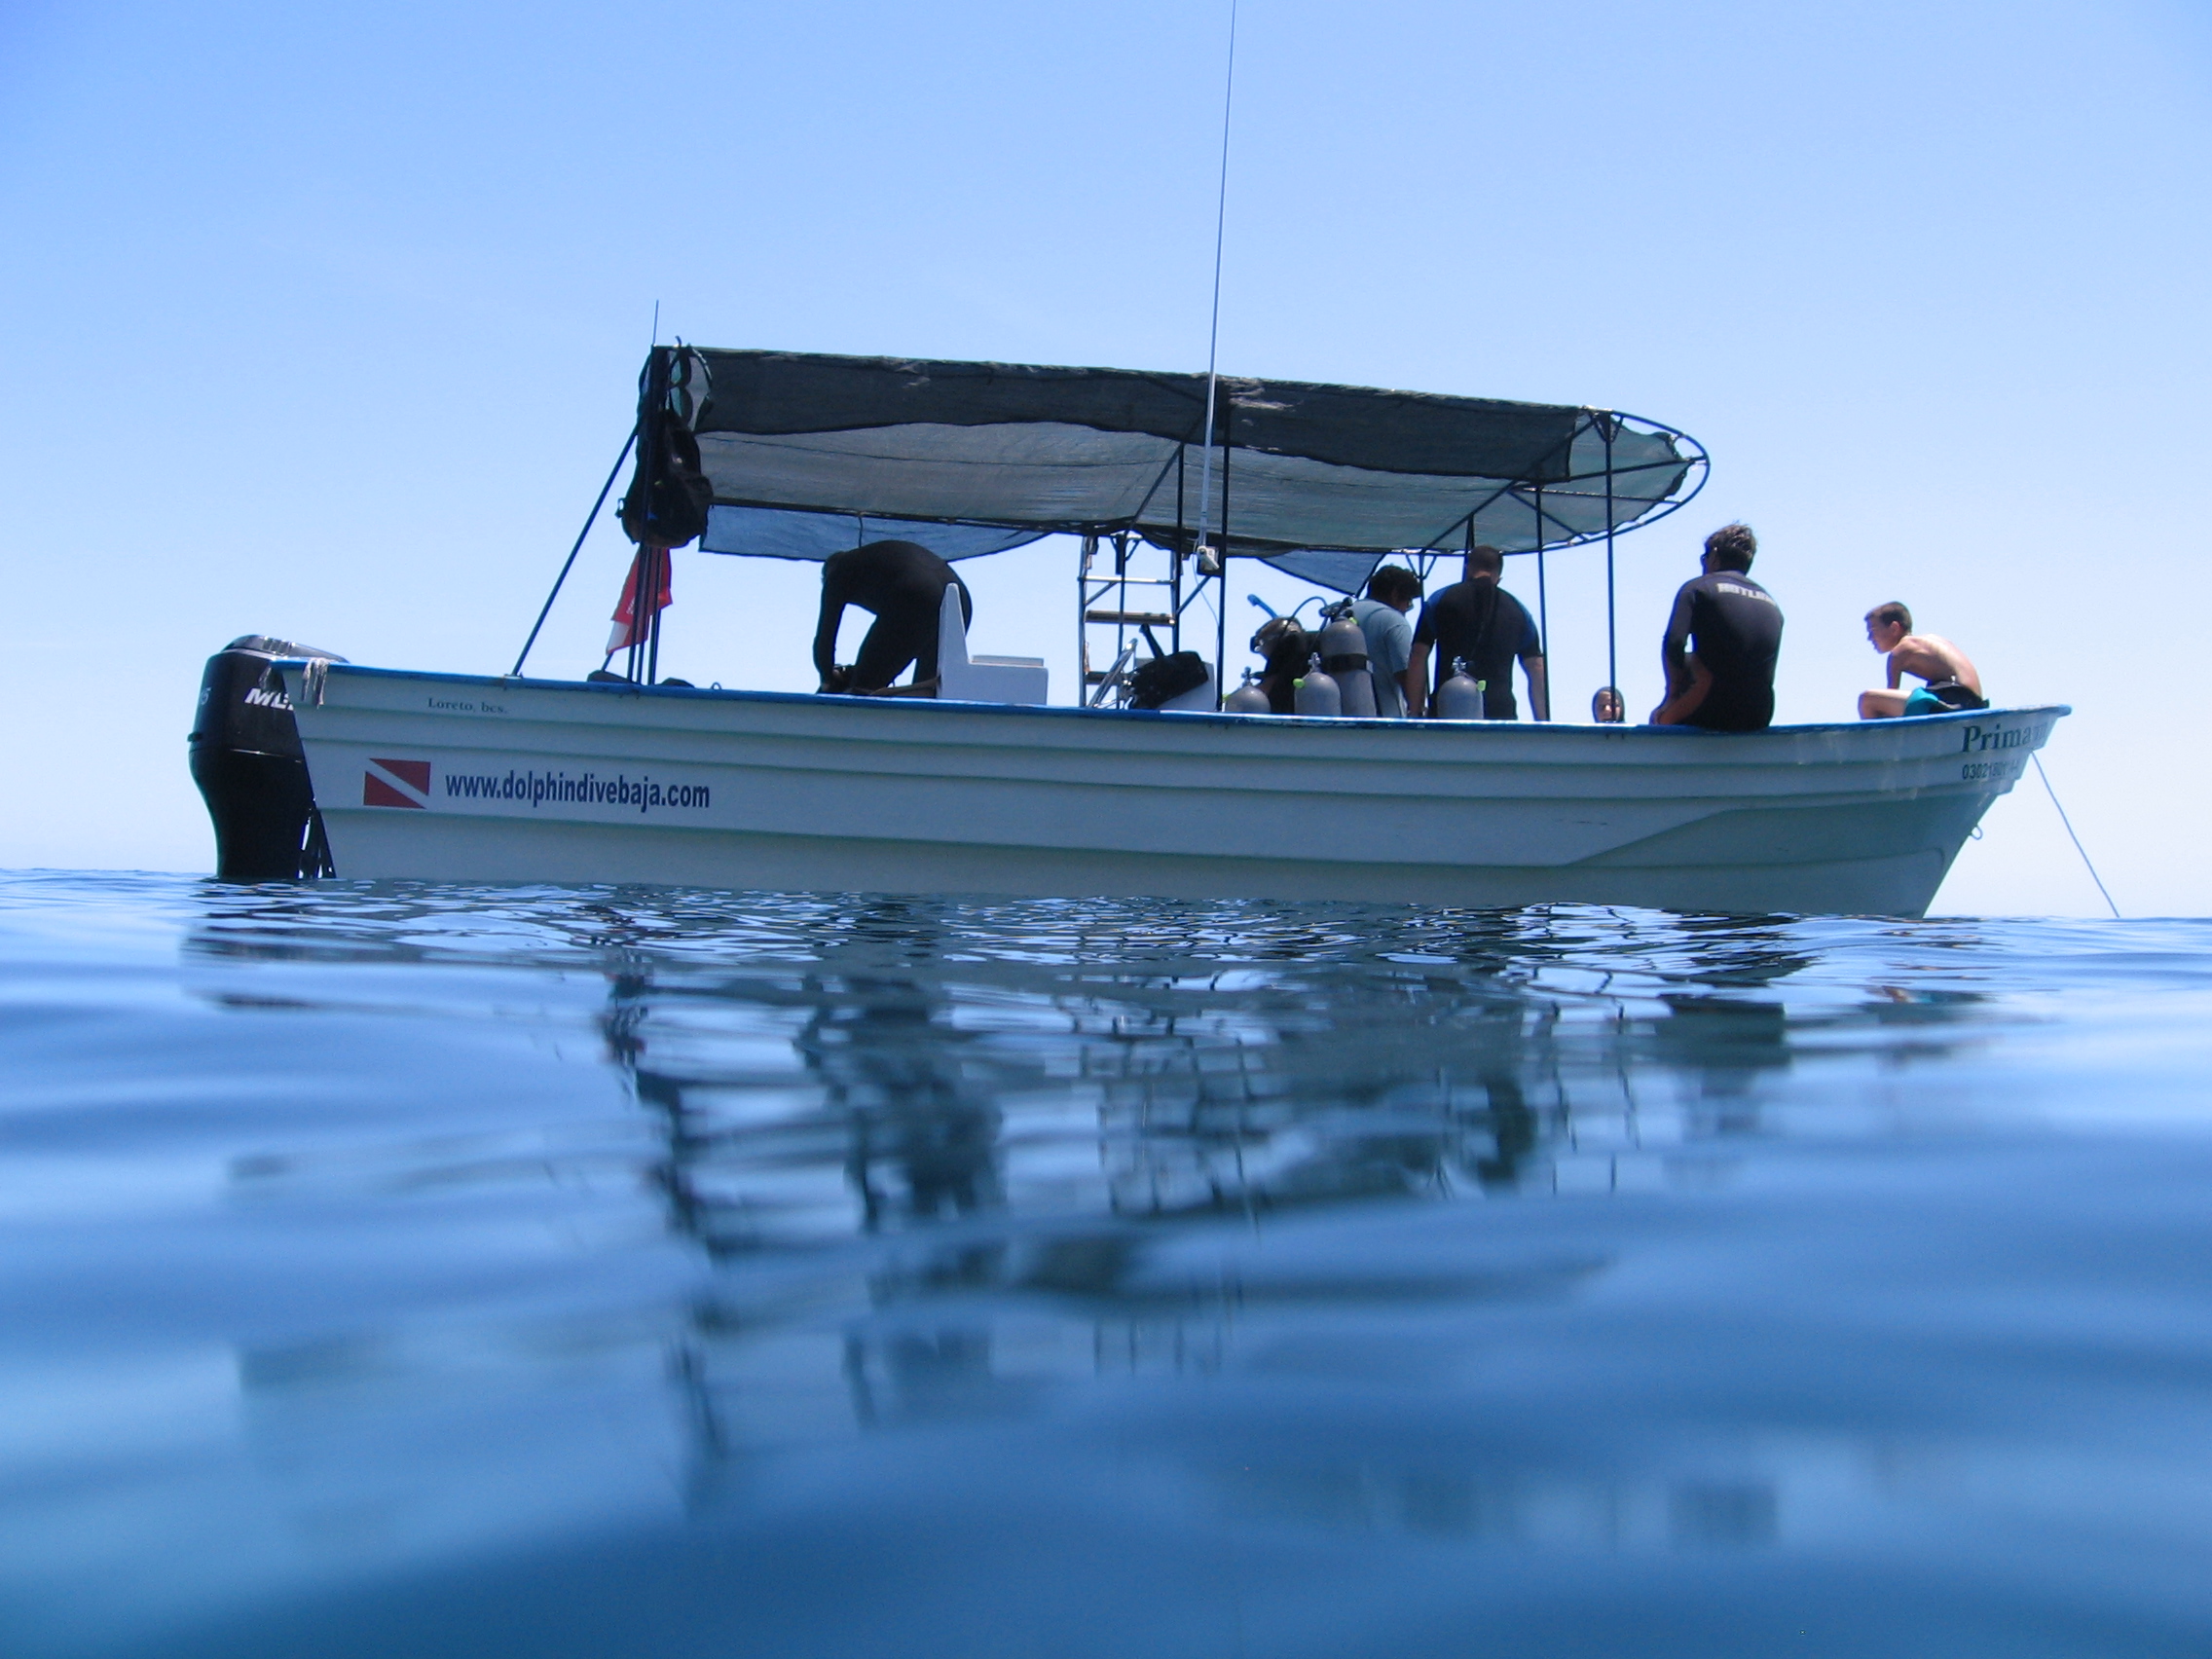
[(1214, 327)]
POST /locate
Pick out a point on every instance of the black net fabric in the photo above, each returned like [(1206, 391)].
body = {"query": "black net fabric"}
[(810, 454)]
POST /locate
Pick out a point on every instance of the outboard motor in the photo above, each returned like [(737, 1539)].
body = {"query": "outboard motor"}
[(1247, 699), (1343, 656), (1460, 697), (1316, 693), (251, 771)]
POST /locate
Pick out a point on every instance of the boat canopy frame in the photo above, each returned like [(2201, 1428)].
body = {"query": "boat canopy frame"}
[(800, 456)]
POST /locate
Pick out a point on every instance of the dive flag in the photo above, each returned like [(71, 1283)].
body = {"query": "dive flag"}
[(629, 625), (396, 782)]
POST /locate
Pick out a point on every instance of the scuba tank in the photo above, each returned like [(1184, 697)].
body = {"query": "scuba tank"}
[(1316, 693), (1460, 697), (1246, 699), (1343, 655)]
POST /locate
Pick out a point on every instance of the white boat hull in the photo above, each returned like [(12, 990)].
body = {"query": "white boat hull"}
[(459, 778)]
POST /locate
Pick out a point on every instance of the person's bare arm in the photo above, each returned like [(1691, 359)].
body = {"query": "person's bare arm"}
[(1539, 687), (1416, 680), (1896, 668)]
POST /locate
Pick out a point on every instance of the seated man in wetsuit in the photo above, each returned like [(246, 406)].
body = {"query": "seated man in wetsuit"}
[(1722, 642), (901, 584), (1476, 620), (1952, 682)]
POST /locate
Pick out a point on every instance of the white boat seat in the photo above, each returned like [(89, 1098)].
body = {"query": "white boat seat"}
[(980, 678)]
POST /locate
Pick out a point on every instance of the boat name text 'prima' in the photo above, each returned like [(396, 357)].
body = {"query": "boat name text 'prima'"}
[(1979, 740)]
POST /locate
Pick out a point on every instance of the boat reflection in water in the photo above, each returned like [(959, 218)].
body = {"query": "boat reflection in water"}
[(976, 1177), (946, 1267)]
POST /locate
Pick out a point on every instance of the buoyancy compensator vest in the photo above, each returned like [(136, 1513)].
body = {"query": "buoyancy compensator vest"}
[(669, 493)]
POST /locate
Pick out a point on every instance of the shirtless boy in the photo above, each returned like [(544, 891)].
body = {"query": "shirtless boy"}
[(1952, 682)]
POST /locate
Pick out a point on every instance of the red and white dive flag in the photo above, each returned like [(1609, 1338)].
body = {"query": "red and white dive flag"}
[(630, 622)]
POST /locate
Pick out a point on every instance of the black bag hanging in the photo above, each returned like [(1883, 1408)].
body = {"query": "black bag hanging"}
[(669, 493)]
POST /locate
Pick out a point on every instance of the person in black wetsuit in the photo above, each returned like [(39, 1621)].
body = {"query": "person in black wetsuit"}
[(1722, 642), (1476, 619), (901, 584)]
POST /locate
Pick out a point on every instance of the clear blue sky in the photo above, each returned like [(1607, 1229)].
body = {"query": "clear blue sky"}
[(324, 321)]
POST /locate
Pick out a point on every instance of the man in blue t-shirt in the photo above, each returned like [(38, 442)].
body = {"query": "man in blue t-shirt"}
[(1476, 621), (1382, 617)]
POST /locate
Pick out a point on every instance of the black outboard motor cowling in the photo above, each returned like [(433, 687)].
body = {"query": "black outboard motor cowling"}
[(251, 771)]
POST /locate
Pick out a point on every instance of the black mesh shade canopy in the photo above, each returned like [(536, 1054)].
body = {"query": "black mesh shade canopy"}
[(807, 455)]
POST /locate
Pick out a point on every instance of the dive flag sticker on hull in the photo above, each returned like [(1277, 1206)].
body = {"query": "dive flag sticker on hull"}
[(396, 782)]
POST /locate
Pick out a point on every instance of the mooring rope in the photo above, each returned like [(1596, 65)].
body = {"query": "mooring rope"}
[(2071, 836)]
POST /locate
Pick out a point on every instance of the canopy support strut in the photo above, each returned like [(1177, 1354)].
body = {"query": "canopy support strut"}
[(568, 563), (1613, 645), (1543, 600)]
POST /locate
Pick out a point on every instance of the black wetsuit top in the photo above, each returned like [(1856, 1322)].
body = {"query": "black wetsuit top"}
[(1487, 626), (901, 584), (1735, 628)]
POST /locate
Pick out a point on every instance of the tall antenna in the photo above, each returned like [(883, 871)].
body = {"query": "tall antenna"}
[(1214, 327)]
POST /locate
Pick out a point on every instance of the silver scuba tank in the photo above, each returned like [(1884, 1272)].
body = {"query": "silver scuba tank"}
[(1316, 693), (1344, 655), (1356, 691), (1246, 699), (1460, 697)]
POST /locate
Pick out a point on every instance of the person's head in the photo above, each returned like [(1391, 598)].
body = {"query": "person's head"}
[(1281, 639), (1731, 547), (1395, 586), (1887, 625), (1485, 565), (1606, 707)]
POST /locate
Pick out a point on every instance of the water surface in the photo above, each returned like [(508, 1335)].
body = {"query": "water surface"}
[(395, 1268)]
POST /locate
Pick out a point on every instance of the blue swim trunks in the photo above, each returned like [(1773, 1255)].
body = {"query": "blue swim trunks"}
[(1946, 697)]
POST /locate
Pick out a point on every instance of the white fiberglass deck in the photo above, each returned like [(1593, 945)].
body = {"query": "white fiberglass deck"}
[(452, 777)]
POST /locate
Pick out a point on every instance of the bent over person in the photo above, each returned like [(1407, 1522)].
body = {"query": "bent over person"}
[(1722, 642), (899, 583), (1952, 682)]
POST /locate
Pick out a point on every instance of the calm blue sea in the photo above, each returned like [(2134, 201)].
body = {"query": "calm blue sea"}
[(393, 1269)]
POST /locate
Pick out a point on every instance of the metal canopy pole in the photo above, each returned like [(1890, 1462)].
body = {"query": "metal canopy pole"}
[(1175, 600), (1612, 651), (1543, 603), (632, 662), (1081, 615), (1221, 634), (1221, 585)]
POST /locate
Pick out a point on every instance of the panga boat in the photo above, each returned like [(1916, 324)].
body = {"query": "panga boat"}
[(312, 764)]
